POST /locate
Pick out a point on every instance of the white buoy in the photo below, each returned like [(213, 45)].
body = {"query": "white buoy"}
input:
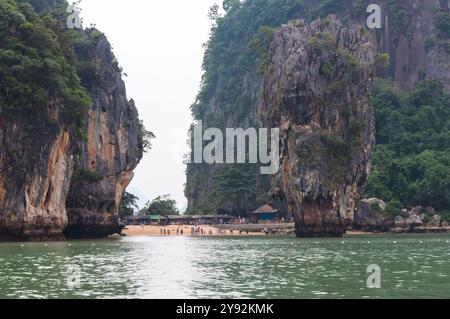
[(395, 242), (45, 245), (369, 242), (69, 245), (22, 245)]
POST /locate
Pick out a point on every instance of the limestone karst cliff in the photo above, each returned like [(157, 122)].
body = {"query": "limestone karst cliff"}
[(69, 138), (110, 151), (413, 36), (316, 90), (36, 166)]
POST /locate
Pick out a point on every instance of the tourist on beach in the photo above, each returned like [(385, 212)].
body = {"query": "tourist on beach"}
[(181, 232)]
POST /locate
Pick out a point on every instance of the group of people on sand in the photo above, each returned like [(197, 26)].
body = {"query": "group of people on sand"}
[(167, 232), (197, 230)]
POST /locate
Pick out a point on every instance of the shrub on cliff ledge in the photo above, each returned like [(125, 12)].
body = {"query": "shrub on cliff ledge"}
[(441, 20), (145, 139), (384, 60)]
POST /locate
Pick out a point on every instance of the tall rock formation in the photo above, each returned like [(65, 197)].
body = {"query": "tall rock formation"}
[(232, 80), (316, 90), (65, 158), (108, 155)]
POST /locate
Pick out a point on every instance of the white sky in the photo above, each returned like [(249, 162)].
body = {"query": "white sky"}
[(159, 45)]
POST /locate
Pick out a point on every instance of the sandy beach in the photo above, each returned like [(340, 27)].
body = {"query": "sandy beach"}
[(183, 230), (186, 230)]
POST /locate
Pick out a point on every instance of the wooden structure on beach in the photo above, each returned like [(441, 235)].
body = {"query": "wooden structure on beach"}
[(176, 220), (137, 220), (199, 220), (144, 219), (179, 220), (264, 214)]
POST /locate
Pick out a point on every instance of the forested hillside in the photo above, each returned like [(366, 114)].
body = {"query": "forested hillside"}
[(412, 157)]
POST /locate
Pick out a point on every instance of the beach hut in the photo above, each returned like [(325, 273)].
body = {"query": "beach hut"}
[(179, 220), (264, 214), (212, 219), (156, 219), (224, 219), (137, 220)]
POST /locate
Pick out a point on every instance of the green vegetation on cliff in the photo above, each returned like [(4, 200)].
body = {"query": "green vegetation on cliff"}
[(441, 21), (412, 157), (238, 47), (232, 52), (37, 60), (235, 184), (43, 62)]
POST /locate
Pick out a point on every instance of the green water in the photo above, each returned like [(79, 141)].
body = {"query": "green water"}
[(417, 266)]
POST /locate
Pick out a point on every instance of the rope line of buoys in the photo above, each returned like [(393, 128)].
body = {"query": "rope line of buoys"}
[(395, 242)]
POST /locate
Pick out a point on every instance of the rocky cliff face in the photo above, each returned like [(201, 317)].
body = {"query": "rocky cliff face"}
[(438, 66), (316, 90), (35, 173), (109, 153), (63, 167), (407, 25), (231, 97)]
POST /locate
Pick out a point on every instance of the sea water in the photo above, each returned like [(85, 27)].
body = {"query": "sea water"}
[(411, 266)]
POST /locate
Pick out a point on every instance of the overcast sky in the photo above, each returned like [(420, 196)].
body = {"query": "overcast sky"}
[(159, 46)]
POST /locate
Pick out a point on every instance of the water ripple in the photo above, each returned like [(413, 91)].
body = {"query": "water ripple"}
[(228, 268)]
